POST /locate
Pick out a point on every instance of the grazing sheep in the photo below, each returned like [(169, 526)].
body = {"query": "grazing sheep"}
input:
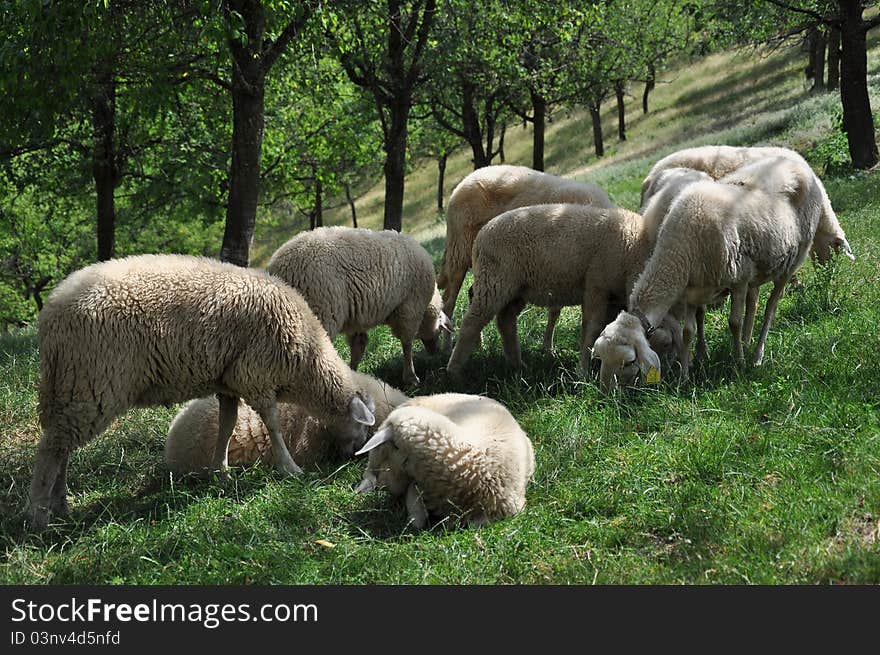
[(451, 454), (488, 192), (161, 329), (720, 161), (754, 226), (355, 279), (551, 256), (192, 437)]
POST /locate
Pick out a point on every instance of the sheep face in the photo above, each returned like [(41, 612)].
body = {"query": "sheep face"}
[(385, 470), (434, 321), (826, 245), (351, 430), (624, 352)]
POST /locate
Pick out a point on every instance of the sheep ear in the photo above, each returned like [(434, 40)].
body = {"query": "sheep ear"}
[(647, 358), (384, 435), (360, 412), (446, 323), (368, 483)]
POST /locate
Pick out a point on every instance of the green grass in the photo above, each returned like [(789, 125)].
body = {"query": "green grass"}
[(768, 475)]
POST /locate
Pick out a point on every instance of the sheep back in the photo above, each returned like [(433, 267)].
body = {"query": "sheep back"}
[(354, 278)]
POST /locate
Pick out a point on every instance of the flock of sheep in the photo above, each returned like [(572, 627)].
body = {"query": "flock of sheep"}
[(252, 349)]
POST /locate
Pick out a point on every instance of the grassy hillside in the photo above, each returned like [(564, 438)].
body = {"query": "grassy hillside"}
[(768, 475)]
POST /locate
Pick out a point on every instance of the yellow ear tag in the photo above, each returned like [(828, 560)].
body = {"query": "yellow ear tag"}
[(652, 376)]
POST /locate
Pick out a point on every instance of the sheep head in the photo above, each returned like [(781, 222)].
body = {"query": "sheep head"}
[(351, 430), (624, 351), (434, 321)]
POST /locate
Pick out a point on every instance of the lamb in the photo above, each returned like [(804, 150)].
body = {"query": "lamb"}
[(488, 192), (720, 161), (160, 329), (551, 256), (193, 433), (451, 454), (755, 225), (355, 279)]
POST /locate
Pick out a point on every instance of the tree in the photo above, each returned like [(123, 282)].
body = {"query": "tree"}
[(382, 47), (471, 75), (253, 53)]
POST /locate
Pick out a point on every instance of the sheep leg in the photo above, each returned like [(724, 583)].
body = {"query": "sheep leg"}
[(472, 326), (357, 344), (769, 313), (700, 317), (226, 419), (593, 310), (506, 321), (552, 318), (415, 507), (58, 502), (691, 326), (751, 310), (282, 459), (47, 470), (735, 322), (409, 372), (450, 297)]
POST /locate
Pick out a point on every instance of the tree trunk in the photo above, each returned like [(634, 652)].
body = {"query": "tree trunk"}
[(501, 142), (539, 117), (470, 124), (104, 169), (248, 108), (833, 59), (857, 118), (621, 111), (395, 162), (354, 216), (649, 86), (441, 174), (816, 39), (597, 129), (319, 203)]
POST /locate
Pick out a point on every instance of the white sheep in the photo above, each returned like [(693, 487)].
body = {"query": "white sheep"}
[(552, 256), (720, 161), (451, 454), (755, 225), (192, 436), (355, 279), (161, 329), (489, 192)]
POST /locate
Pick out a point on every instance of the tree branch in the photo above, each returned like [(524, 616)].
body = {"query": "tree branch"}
[(273, 49), (834, 22)]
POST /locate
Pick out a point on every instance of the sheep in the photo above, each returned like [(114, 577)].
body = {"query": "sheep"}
[(755, 225), (448, 454), (488, 192), (720, 161), (160, 329), (193, 432), (551, 256), (355, 279)]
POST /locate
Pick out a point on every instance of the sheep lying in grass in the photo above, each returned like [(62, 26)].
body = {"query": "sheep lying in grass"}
[(451, 454), (355, 279), (754, 226), (192, 436), (552, 256), (488, 192), (720, 161), (162, 329)]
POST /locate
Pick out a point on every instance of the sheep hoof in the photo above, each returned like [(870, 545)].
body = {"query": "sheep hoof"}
[(288, 467)]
